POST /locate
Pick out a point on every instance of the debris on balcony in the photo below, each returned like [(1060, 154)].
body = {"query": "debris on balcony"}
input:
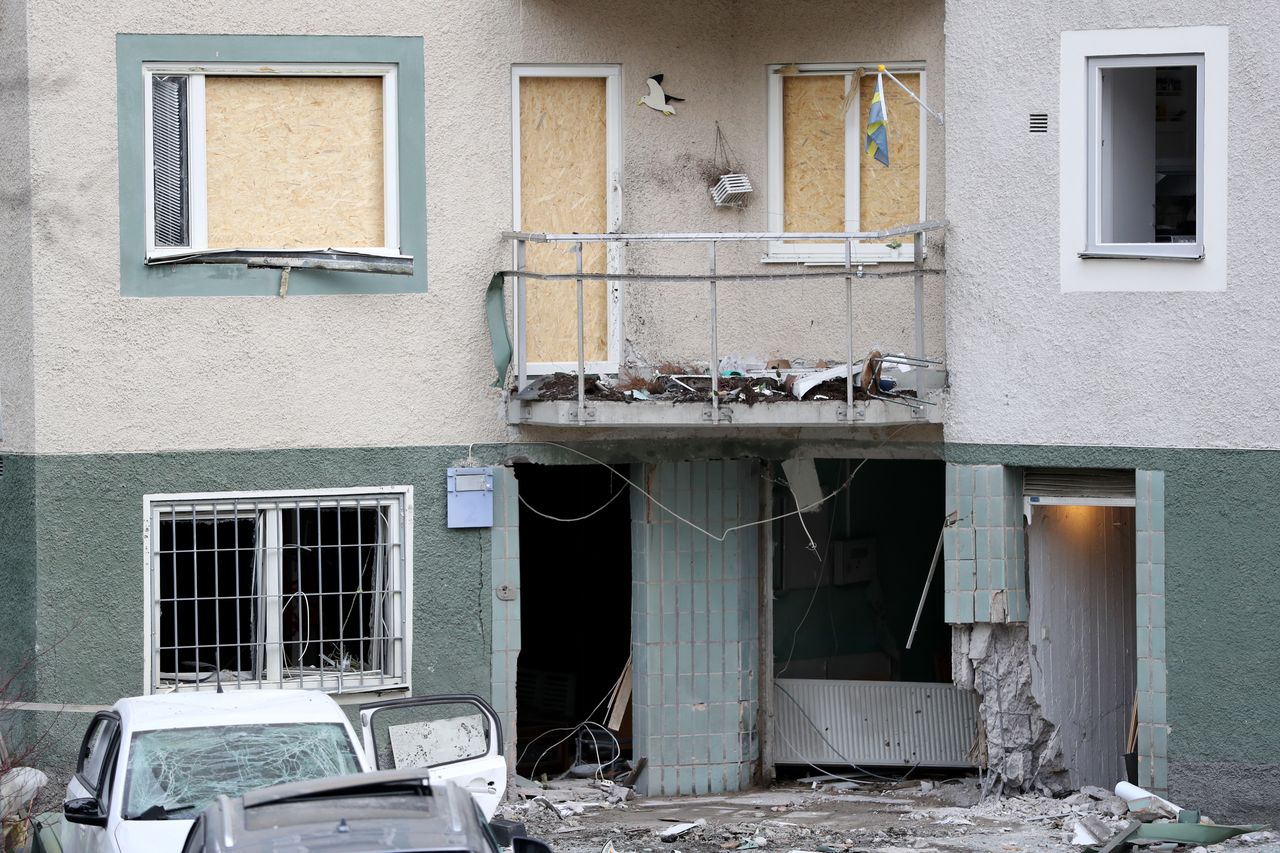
[(743, 379), (750, 389)]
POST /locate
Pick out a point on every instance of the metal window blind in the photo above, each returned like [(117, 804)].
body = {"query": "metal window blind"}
[(1078, 483), (169, 152)]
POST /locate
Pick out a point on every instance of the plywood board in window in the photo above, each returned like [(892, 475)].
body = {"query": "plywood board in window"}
[(813, 153), (890, 195), (294, 161), (563, 165)]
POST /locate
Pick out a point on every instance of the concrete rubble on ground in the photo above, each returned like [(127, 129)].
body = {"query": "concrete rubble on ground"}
[(823, 815)]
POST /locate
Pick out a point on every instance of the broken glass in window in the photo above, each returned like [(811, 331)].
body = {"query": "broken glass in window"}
[(175, 773)]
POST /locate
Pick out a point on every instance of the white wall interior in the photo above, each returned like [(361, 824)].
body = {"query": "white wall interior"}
[(1083, 590)]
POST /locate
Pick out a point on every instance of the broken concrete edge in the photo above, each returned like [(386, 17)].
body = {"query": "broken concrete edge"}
[(1019, 747)]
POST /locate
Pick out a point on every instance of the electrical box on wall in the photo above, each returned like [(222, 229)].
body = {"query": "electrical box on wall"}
[(470, 497), (853, 560)]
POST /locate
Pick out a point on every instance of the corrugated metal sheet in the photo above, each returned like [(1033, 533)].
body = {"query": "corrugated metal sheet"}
[(1077, 483), (873, 722)]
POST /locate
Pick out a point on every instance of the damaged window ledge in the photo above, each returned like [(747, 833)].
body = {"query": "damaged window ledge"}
[(337, 260)]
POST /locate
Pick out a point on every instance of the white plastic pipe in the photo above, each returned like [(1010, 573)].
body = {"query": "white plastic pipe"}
[(1129, 793)]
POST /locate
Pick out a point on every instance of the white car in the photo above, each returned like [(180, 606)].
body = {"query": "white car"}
[(151, 764)]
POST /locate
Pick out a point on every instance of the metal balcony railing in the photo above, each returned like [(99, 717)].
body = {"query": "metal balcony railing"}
[(851, 271)]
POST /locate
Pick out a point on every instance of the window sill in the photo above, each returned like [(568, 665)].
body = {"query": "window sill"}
[(1138, 256)]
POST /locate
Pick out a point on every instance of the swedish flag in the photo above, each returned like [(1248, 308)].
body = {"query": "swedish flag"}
[(878, 125)]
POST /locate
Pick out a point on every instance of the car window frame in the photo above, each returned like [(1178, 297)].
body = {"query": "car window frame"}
[(110, 752)]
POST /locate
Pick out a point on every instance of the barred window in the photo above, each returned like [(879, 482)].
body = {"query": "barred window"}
[(305, 590)]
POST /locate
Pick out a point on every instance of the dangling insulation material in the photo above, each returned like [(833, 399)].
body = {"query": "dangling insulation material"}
[(294, 162), (890, 195), (813, 153), (563, 165)]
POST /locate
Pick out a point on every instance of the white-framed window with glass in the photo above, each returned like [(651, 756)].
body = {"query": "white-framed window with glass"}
[(820, 179), (308, 589), (1146, 156)]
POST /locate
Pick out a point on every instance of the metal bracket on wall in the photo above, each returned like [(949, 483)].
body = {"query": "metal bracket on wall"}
[(583, 415)]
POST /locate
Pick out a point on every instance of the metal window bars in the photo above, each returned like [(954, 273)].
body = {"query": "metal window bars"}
[(306, 592), (852, 269)]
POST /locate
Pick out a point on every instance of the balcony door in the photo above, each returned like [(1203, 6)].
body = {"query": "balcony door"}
[(566, 157)]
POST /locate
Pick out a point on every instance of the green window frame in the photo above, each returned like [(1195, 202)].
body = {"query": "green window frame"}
[(139, 279)]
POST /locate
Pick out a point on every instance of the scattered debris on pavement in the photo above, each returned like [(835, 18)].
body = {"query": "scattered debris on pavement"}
[(830, 814)]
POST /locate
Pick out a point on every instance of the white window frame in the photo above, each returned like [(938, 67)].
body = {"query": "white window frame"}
[(834, 253), (612, 75), (204, 504), (1094, 246), (197, 199), (1079, 274)]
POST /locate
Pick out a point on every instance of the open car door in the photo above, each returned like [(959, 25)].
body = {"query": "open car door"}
[(455, 737)]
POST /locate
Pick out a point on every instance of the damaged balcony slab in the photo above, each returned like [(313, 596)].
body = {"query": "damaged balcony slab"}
[(744, 401)]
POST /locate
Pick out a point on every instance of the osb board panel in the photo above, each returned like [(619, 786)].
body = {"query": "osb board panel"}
[(813, 153), (563, 153), (294, 161), (890, 195)]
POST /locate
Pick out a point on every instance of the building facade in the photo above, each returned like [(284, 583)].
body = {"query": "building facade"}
[(248, 381)]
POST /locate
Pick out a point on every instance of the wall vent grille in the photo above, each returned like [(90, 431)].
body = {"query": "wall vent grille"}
[(1039, 122)]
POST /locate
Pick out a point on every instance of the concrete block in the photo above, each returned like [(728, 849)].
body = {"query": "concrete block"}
[(1143, 614), (964, 479), (968, 578), (982, 512), (1157, 548), (952, 482), (1157, 642), (949, 610), (982, 606), (1157, 516), (670, 785), (1157, 611), (701, 779), (982, 574), (964, 607), (1143, 546), (1157, 487)]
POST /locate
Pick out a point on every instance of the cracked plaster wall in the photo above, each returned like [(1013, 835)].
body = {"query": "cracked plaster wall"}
[(122, 375), (1032, 365)]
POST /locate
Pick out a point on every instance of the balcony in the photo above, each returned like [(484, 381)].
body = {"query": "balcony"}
[(588, 327)]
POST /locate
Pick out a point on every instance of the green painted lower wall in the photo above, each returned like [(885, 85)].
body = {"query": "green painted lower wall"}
[(76, 564), (1222, 588), (17, 576)]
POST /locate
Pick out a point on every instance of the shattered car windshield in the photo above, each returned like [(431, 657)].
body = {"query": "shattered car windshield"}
[(175, 773)]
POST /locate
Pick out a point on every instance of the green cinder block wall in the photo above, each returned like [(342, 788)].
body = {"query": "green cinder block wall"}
[(1222, 597)]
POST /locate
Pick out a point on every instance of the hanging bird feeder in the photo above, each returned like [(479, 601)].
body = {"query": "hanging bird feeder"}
[(732, 187)]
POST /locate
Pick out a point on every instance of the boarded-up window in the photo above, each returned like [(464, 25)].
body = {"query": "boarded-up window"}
[(827, 182), (294, 161), (259, 158), (563, 161)]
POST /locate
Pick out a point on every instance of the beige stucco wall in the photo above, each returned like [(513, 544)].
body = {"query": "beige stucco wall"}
[(126, 374)]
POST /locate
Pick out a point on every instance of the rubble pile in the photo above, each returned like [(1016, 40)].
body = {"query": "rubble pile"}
[(831, 815)]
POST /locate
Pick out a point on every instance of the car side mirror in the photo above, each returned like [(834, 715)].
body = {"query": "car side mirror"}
[(520, 844), (87, 811)]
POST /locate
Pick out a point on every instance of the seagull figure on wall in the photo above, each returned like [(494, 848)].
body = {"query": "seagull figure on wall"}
[(658, 99)]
